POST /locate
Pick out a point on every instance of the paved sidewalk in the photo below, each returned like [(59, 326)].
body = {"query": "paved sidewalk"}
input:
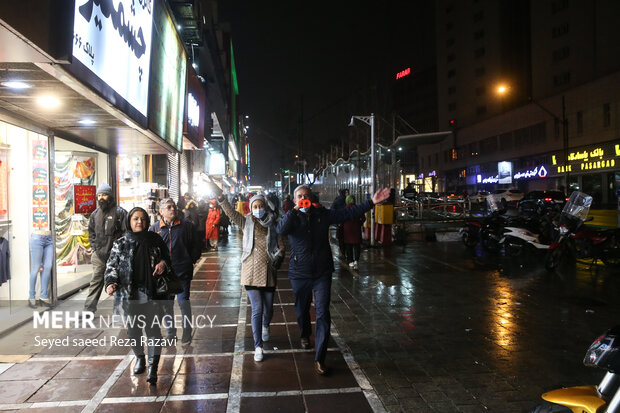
[(215, 373)]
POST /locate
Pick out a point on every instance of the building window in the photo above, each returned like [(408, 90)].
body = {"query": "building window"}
[(558, 5), (449, 26), (481, 110), (480, 71), (606, 115), (479, 16), (451, 73), (480, 91), (561, 79), (452, 106), (450, 42), (505, 141), (561, 54), (451, 90), (561, 30), (451, 57), (579, 123), (479, 52), (479, 34)]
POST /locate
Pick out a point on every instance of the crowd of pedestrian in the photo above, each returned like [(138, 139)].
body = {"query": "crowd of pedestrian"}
[(131, 255)]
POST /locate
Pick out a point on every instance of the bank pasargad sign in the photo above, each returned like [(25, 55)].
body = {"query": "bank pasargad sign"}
[(112, 39)]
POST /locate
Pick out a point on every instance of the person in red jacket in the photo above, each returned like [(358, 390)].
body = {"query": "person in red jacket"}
[(352, 235), (287, 204), (212, 226)]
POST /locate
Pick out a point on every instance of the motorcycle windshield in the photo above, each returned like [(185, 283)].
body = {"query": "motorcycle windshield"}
[(493, 204), (578, 205)]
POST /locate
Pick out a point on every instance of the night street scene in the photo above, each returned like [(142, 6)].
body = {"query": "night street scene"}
[(290, 206)]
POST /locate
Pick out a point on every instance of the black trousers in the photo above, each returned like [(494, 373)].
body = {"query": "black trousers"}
[(353, 252), (144, 315)]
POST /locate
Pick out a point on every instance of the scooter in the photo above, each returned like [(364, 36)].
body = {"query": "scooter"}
[(535, 234), (573, 216), (604, 353)]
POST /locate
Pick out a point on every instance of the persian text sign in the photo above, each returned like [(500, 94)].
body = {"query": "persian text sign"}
[(112, 38), (85, 197)]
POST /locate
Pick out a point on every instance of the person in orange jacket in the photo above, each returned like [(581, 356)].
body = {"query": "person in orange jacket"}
[(212, 226)]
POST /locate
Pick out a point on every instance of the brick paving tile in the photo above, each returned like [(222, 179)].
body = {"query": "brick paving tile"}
[(137, 386), (201, 383), (206, 406), (33, 370), (139, 407), (68, 389), (341, 403), (283, 404), (19, 391)]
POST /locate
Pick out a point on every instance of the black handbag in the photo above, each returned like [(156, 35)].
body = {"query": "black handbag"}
[(168, 284)]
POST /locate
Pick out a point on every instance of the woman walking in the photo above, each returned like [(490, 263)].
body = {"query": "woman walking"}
[(136, 259), (263, 252), (212, 227), (352, 235)]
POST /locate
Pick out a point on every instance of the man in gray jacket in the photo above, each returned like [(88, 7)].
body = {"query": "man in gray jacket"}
[(106, 225)]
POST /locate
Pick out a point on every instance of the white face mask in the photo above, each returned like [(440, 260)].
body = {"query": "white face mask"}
[(304, 209), (258, 213)]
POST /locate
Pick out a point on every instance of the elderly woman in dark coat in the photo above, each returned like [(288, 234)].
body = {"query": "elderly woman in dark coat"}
[(136, 259)]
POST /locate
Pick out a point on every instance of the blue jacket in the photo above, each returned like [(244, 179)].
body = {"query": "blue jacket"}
[(182, 243), (308, 235)]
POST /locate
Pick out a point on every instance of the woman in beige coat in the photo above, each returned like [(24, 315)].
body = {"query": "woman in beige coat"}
[(263, 253)]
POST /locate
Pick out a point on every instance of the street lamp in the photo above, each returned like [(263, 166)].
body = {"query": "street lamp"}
[(370, 120)]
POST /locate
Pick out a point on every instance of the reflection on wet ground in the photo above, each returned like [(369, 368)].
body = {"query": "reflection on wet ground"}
[(436, 326)]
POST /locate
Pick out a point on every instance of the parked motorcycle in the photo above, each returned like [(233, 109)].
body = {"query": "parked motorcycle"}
[(573, 216), (604, 353), (535, 232), (488, 231)]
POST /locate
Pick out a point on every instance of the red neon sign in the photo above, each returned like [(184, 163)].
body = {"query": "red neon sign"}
[(403, 73)]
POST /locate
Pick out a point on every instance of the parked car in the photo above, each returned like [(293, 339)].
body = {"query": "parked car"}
[(480, 196), (504, 196), (553, 199)]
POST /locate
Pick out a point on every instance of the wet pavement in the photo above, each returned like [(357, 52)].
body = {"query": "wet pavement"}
[(425, 327)]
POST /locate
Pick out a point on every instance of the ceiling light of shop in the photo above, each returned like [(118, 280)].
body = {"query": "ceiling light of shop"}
[(16, 84), (48, 102), (87, 121)]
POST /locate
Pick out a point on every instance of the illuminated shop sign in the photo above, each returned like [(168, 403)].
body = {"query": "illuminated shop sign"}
[(421, 176), (588, 159), (434, 173), (538, 172), (112, 40), (168, 81), (490, 179), (504, 172), (193, 110), (403, 73)]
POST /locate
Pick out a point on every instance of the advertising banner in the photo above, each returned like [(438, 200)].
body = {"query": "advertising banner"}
[(85, 198), (195, 109), (167, 82), (40, 183), (112, 51)]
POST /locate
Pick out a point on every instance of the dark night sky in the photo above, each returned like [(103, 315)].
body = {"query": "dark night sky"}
[(328, 54)]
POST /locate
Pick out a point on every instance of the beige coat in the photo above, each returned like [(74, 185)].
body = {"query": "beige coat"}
[(255, 270)]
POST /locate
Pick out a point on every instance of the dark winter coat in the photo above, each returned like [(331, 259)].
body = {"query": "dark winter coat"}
[(104, 227), (308, 235), (183, 246), (339, 201), (119, 268), (352, 231)]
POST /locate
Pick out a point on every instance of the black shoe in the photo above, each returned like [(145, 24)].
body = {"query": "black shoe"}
[(321, 368), (140, 366), (187, 336), (153, 364), (171, 336), (305, 343), (32, 303)]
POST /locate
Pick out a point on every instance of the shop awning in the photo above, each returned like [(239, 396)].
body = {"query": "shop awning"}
[(411, 141)]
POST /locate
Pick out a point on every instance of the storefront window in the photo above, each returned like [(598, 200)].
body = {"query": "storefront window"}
[(26, 249), (77, 173)]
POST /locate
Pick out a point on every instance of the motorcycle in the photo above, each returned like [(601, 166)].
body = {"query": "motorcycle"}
[(604, 353), (573, 216), (535, 232), (487, 231)]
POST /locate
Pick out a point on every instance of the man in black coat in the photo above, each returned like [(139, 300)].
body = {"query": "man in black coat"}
[(311, 262), (106, 225)]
